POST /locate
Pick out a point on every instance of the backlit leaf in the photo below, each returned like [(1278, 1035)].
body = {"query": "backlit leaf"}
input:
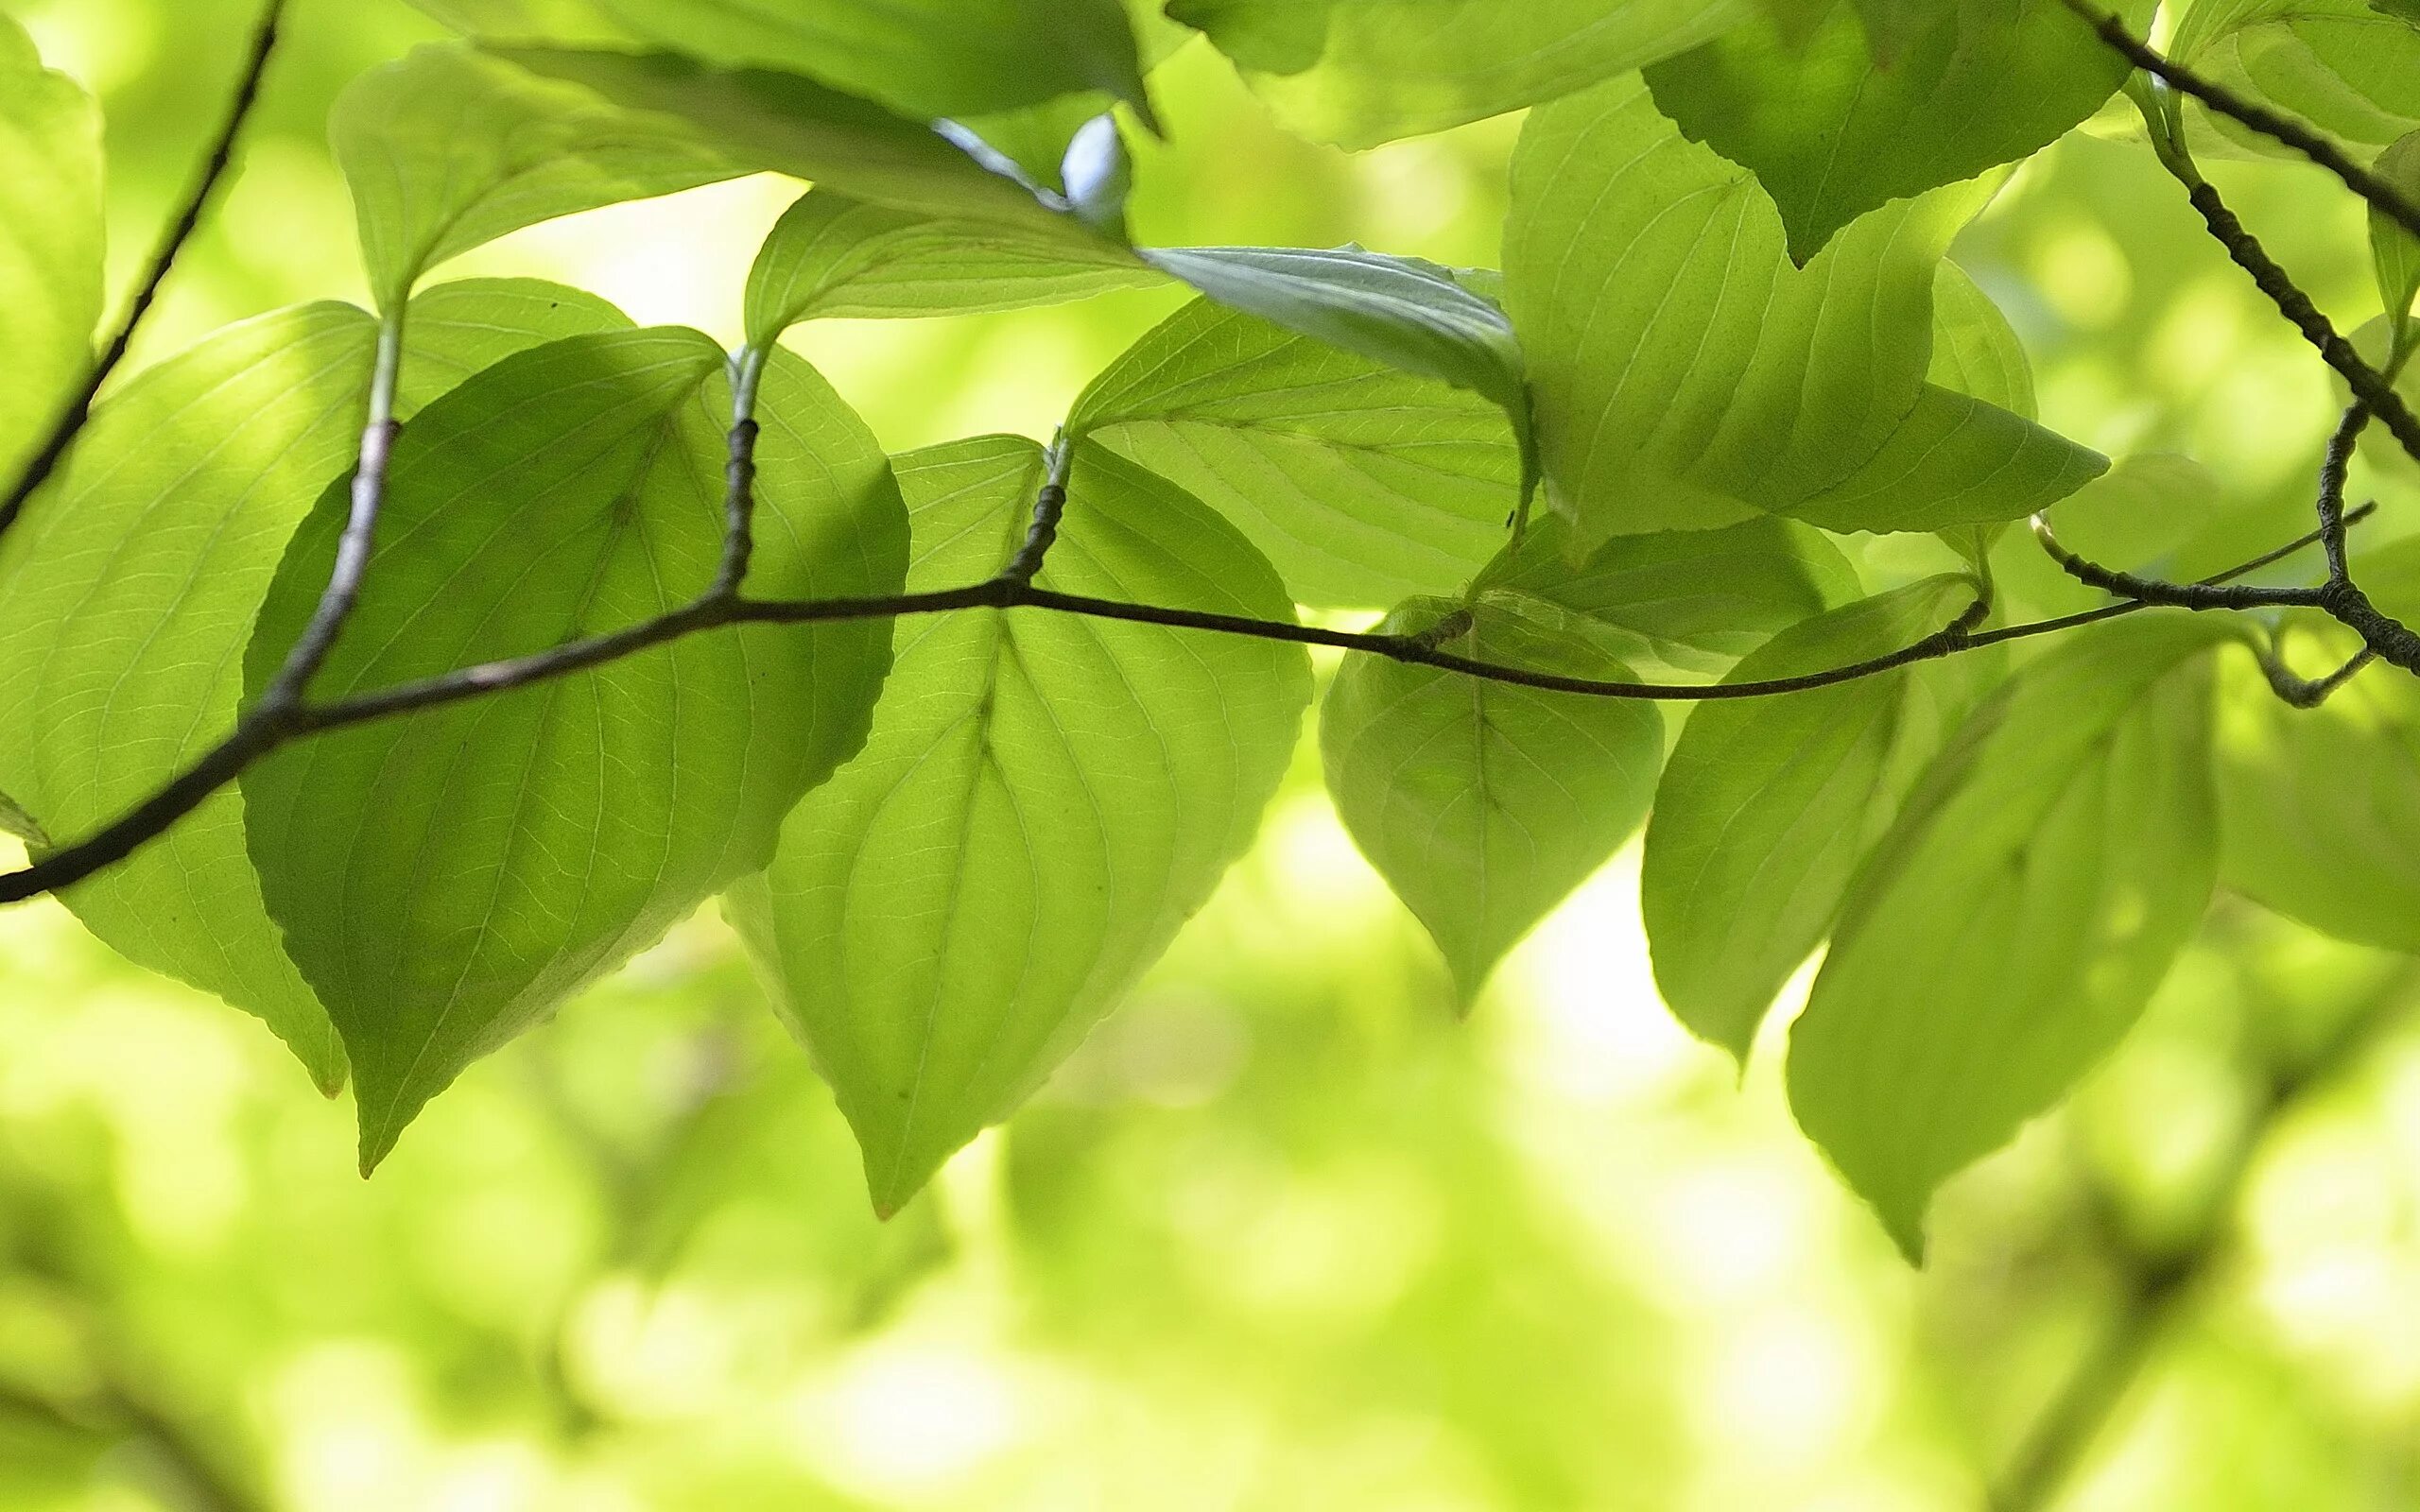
[(1040, 807), (1837, 127), (50, 243), (2010, 927), (1768, 806), (1484, 804), (1362, 72), (443, 880), (450, 148), (1364, 484)]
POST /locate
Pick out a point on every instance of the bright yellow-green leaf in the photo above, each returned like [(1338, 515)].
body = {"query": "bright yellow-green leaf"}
[(2010, 927), (1482, 804), (50, 243), (1043, 803)]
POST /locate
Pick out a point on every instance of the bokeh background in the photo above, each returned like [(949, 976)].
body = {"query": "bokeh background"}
[(1285, 1235)]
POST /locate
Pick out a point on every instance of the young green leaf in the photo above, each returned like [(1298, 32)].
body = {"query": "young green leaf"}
[(835, 258), (450, 148), (1686, 376), (786, 124), (15, 821), (1395, 310), (926, 58), (1974, 350), (1363, 483), (2395, 250), (129, 593), (1835, 128), (1484, 804), (1768, 806), (948, 918), (1361, 72), (2009, 928), (443, 880), (50, 243), (1694, 600), (2350, 67)]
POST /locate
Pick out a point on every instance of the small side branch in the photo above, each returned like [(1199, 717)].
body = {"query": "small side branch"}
[(2196, 597), (1050, 509), (2310, 692), (214, 170)]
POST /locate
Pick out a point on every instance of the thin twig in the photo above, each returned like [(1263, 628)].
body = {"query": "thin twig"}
[(256, 736), (2275, 125), (2195, 596), (2308, 693), (2331, 491), (215, 169)]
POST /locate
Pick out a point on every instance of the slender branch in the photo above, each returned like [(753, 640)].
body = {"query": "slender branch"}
[(215, 169), (739, 477), (266, 730), (2371, 386), (2331, 491), (2310, 692), (2277, 126), (2196, 597)]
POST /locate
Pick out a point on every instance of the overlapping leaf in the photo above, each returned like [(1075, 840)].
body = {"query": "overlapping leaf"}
[(127, 596), (2395, 250), (2351, 67), (1484, 803), (450, 148), (443, 880), (1041, 805), (835, 258), (1693, 600), (926, 58), (50, 243), (1686, 376), (1839, 123), (2011, 925), (1362, 72), (1362, 483), (1769, 805)]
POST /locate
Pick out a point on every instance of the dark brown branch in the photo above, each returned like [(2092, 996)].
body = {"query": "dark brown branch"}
[(215, 169), (2390, 201), (2331, 491), (2310, 692)]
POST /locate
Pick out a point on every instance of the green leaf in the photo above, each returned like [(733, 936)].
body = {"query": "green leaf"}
[(445, 879), (15, 821), (2395, 250), (2349, 67), (1482, 804), (1694, 600), (1395, 310), (567, 22), (1768, 806), (2320, 808), (925, 58), (1834, 130), (785, 124), (1686, 376), (1955, 461), (448, 150), (2008, 928), (50, 243), (1364, 484), (950, 916), (1362, 72), (127, 596), (1974, 350), (835, 258)]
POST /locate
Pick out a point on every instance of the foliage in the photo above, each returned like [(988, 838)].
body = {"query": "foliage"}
[(399, 743)]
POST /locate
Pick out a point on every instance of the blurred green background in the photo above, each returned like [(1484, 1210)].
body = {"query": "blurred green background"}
[(1285, 1235)]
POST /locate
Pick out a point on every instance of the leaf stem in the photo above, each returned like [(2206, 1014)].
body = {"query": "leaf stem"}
[(215, 167)]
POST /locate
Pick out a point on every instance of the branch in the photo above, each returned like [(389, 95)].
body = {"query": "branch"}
[(267, 730), (2196, 597), (215, 169), (2389, 199)]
